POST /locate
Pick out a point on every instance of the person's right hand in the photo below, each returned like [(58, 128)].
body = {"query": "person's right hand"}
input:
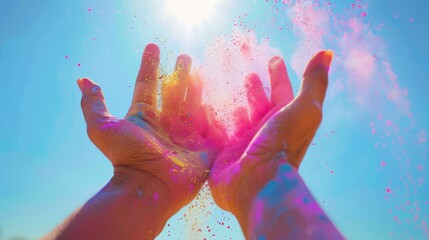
[(169, 151), (278, 132)]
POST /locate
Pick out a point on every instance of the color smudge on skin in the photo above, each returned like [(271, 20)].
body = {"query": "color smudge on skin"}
[(177, 161)]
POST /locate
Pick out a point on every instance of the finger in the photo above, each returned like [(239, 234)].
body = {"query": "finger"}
[(241, 121), (147, 78), (194, 92), (281, 88), (315, 78), (93, 104), (259, 104), (216, 131), (174, 88), (182, 68)]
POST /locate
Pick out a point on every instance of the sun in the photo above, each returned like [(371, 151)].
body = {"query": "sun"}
[(191, 13)]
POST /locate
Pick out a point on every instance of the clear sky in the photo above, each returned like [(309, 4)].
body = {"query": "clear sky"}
[(368, 166)]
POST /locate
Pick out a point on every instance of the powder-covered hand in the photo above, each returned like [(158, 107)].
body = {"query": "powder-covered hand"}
[(174, 147), (255, 177)]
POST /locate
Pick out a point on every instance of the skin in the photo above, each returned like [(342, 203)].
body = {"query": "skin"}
[(256, 176), (160, 158)]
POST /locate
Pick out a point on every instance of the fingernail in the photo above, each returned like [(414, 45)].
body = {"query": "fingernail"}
[(80, 83), (327, 58), (275, 61), (87, 86), (322, 59)]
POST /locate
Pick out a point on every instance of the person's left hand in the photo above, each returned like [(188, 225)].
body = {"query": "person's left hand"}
[(172, 148), (277, 133)]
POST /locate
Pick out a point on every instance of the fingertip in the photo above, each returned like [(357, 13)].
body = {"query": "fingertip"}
[(89, 87), (278, 71), (274, 59), (325, 57), (152, 48), (275, 62), (151, 56), (185, 59), (84, 83), (315, 77), (281, 88), (328, 56), (252, 80), (321, 59), (80, 83), (183, 62)]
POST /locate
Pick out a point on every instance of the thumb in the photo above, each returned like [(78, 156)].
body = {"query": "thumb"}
[(92, 103), (315, 78)]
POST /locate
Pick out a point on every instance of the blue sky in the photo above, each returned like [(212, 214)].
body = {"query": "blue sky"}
[(48, 166)]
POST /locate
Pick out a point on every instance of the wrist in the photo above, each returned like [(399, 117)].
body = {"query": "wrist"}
[(148, 192), (285, 207), (130, 206), (250, 187), (266, 181)]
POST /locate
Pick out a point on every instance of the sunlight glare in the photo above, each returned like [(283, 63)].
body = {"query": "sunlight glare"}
[(191, 12)]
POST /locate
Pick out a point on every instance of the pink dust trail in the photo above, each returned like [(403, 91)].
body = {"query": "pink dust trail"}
[(361, 58), (228, 59)]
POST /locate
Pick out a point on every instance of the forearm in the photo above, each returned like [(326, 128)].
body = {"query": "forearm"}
[(285, 209), (128, 207)]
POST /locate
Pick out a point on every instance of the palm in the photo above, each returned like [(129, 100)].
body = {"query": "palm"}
[(174, 146), (277, 132)]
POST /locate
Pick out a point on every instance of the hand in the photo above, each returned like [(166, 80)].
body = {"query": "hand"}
[(278, 132), (172, 148)]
